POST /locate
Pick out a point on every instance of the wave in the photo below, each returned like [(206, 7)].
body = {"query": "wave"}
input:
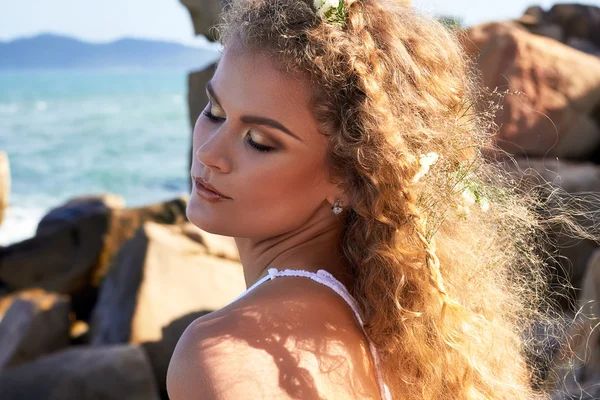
[(19, 224)]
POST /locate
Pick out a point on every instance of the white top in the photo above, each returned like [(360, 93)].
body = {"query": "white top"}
[(325, 278)]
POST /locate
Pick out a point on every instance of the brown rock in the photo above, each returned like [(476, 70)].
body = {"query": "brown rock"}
[(560, 88), (108, 373), (4, 184), (34, 323), (216, 245), (158, 276), (125, 223)]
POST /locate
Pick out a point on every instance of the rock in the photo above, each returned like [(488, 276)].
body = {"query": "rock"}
[(582, 344), (125, 223), (34, 323), (557, 113), (161, 281), (78, 208), (584, 45), (61, 261), (4, 184), (161, 351), (75, 253), (578, 20), (204, 15), (535, 14), (110, 373), (216, 245), (553, 31), (158, 276)]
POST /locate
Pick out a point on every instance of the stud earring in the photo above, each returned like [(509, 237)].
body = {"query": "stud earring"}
[(337, 207)]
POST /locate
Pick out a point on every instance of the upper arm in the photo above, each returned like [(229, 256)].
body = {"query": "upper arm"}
[(282, 346), (211, 362)]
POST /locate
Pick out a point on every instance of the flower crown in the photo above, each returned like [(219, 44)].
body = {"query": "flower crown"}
[(330, 10)]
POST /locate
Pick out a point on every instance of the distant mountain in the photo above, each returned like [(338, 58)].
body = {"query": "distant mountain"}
[(54, 51)]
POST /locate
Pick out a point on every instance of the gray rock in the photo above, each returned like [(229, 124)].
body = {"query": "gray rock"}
[(107, 373), (61, 261), (36, 323)]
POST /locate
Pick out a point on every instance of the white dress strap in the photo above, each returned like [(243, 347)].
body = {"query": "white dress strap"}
[(325, 278)]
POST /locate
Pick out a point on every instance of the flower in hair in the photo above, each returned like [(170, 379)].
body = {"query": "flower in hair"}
[(472, 196), (425, 161), (330, 10)]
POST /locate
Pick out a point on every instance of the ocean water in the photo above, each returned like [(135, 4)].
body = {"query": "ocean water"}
[(72, 133)]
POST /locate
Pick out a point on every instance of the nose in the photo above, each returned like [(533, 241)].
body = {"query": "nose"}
[(212, 147)]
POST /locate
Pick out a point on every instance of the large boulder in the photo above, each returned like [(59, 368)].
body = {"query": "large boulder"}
[(32, 323), (558, 110), (158, 276), (77, 242), (109, 373), (161, 281), (61, 261)]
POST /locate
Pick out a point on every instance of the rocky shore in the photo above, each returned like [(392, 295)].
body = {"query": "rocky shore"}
[(92, 306)]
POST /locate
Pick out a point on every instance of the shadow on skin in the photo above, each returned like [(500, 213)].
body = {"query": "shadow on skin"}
[(296, 335)]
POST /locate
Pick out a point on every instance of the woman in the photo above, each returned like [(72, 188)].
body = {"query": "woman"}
[(385, 257)]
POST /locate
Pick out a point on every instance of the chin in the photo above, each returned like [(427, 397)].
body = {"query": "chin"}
[(203, 219)]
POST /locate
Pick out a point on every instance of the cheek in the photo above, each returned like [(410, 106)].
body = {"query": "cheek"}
[(283, 197)]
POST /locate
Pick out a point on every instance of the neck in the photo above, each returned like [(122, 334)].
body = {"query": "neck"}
[(317, 245)]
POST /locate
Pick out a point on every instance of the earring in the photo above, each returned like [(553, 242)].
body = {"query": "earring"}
[(337, 207)]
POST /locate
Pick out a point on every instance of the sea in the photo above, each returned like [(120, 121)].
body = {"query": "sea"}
[(70, 133)]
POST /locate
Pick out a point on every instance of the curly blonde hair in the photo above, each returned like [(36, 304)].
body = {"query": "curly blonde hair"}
[(449, 290)]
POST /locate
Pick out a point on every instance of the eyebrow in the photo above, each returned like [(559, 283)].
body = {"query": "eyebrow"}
[(249, 119)]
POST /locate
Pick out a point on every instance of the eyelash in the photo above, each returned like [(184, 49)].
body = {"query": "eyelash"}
[(251, 142)]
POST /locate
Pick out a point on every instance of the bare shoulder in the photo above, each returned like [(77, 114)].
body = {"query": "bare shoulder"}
[(289, 338)]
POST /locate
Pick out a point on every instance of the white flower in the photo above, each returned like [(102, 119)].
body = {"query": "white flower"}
[(425, 161), (469, 196), (484, 203), (323, 6)]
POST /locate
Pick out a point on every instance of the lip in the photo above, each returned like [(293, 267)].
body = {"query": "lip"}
[(208, 191)]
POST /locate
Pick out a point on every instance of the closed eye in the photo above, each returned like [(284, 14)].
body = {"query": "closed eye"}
[(252, 143)]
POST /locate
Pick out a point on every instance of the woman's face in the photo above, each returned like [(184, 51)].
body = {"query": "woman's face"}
[(257, 143)]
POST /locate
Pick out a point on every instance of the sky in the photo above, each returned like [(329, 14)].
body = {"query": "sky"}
[(107, 20)]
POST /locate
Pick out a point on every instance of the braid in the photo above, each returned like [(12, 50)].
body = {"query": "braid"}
[(371, 74)]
